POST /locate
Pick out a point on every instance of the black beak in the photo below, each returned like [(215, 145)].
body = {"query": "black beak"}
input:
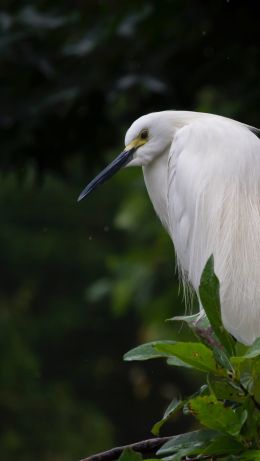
[(120, 161)]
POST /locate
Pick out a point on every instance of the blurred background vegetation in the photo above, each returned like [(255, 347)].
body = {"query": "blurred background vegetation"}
[(83, 283)]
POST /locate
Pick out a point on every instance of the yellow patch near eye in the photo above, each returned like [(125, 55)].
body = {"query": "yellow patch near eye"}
[(137, 142)]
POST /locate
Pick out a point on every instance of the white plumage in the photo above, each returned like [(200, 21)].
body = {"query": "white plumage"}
[(202, 173)]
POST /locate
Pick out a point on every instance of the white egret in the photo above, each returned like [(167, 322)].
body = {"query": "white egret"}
[(202, 173)]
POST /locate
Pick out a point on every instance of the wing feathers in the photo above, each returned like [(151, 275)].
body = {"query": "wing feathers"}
[(214, 207)]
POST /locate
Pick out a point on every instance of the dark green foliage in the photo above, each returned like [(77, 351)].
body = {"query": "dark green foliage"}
[(74, 74), (228, 406)]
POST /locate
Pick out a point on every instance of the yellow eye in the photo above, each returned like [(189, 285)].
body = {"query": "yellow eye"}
[(144, 134)]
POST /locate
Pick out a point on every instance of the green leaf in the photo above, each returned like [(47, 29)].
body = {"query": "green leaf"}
[(173, 408), (215, 415), (241, 349), (256, 388), (146, 351), (222, 358), (224, 390), (204, 390), (202, 329), (248, 370), (247, 380), (223, 445), (130, 455), (197, 355), (174, 361), (253, 351), (195, 440), (182, 454), (209, 296)]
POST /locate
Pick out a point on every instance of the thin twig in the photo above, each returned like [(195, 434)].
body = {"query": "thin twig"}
[(145, 446)]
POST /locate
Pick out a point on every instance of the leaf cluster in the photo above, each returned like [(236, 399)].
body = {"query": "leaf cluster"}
[(227, 406)]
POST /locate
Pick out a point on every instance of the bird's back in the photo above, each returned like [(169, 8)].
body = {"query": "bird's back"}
[(212, 206)]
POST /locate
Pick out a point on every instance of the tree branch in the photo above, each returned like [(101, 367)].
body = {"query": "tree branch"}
[(145, 446)]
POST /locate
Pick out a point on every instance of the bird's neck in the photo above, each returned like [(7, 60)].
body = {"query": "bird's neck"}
[(155, 178)]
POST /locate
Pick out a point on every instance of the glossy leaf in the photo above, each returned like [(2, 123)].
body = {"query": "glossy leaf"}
[(223, 445), (147, 351), (195, 354), (194, 439), (171, 410), (201, 328), (182, 454), (174, 361), (215, 415), (223, 360), (209, 296)]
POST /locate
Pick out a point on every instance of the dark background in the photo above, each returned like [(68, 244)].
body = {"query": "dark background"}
[(81, 284)]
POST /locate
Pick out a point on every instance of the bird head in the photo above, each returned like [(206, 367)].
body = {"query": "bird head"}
[(147, 138)]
